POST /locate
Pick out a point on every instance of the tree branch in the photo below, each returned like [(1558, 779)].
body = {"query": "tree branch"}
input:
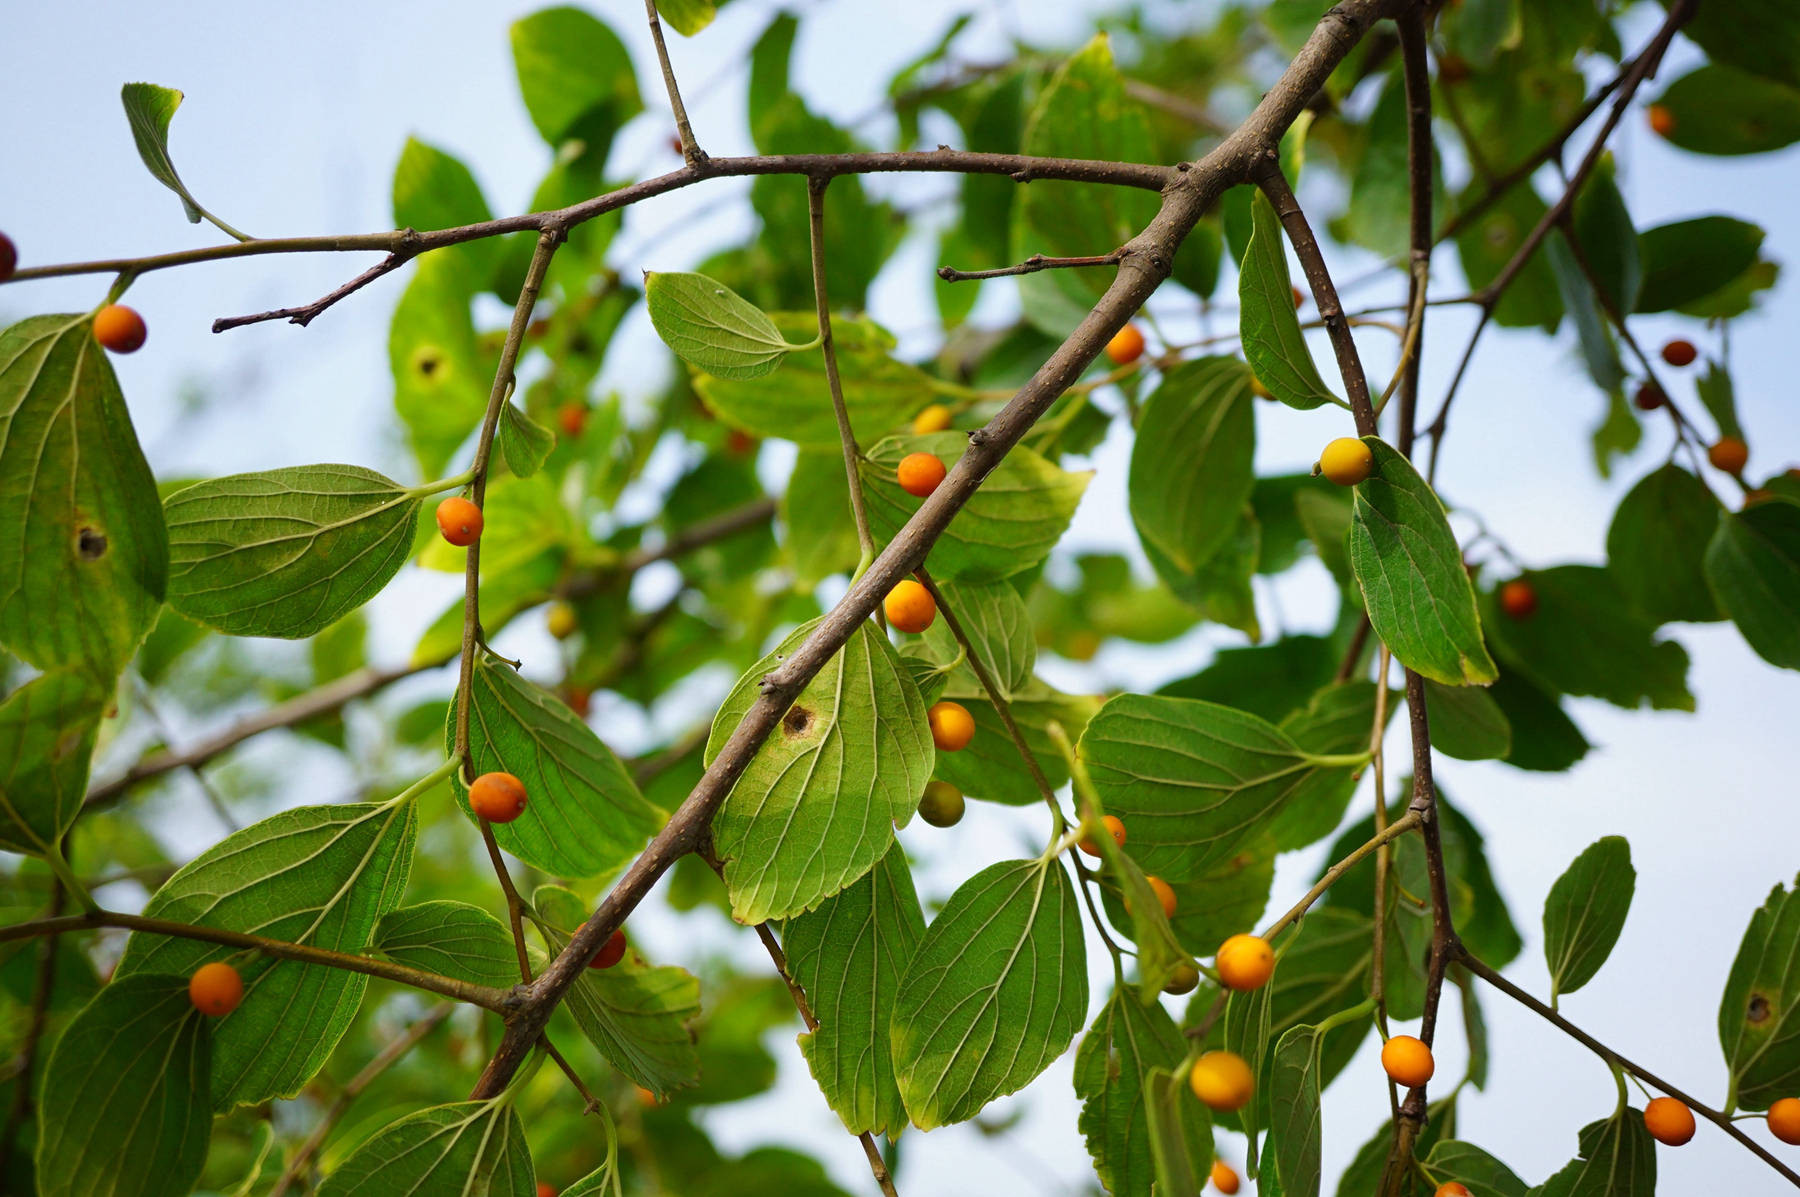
[(1031, 265), (1381, 839), (1145, 262), (691, 153), (815, 209)]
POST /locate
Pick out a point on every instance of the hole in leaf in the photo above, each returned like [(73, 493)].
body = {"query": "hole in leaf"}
[(1759, 1009), (428, 360), (797, 722), (90, 544)]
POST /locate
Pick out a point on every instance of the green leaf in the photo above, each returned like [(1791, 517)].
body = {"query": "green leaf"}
[(996, 990), (1192, 781), (990, 767), (1617, 1159), (1272, 680), (993, 616), (1618, 433), (1488, 242), (1753, 566), (1125, 1042), (1656, 546), (150, 108), (1466, 723), (1586, 638), (1246, 1027), (316, 875), (525, 444), (1273, 342), (1008, 526), (1720, 110), (1585, 912), (879, 391), (1752, 35), (1603, 228), (1479, 1172), (469, 1147), (848, 956), (576, 77), (441, 374), (1363, 1175), (1759, 1015), (1377, 215), (1598, 352), (1181, 1145), (1338, 720), (286, 552), (1690, 259), (687, 17), (84, 558), (1719, 397), (1083, 112), (711, 327), (123, 1109), (817, 806), (584, 815), (435, 190), (1228, 899), (636, 1016), (1190, 463), (47, 730), (1544, 738), (1295, 1137), (1410, 569), (452, 938)]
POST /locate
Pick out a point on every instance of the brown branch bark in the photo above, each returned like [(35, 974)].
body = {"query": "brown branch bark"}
[(691, 153), (1031, 265)]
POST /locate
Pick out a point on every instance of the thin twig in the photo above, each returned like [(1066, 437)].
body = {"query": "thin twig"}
[(383, 1060), (515, 908), (1391, 832), (1718, 1119), (590, 1103), (815, 209), (1031, 265), (691, 153)]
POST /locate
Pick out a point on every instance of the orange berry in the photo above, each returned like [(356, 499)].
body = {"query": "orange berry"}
[(1222, 1081), (1185, 979), (562, 619), (942, 804), (919, 474), (1662, 121), (1680, 353), (459, 520), (497, 797), (580, 700), (952, 727), (1245, 962), (1518, 599), (9, 257), (572, 418), (1729, 454), (909, 606), (215, 989), (1407, 1060), (611, 952), (1115, 827), (1259, 390), (119, 328), (1784, 1120), (1347, 461), (1126, 346), (739, 443), (1223, 1177), (1649, 397), (1452, 1188), (1299, 297), (646, 1098), (1668, 1121), (546, 1189), (935, 418), (1165, 894)]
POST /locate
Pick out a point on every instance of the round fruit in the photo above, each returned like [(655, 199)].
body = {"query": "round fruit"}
[(952, 727), (1347, 461), (1222, 1081), (579, 699), (1115, 827), (1259, 390), (919, 474), (1452, 1188), (942, 805), (1518, 598), (909, 606), (1407, 1060), (1784, 1120), (1245, 962), (1668, 1121), (1649, 397), (546, 1189), (1299, 296), (1126, 346), (1729, 454), (9, 257), (562, 620), (459, 520), (1165, 894), (739, 443), (1662, 121), (572, 418), (611, 952), (119, 328), (215, 989), (497, 797), (646, 1098), (935, 418), (1680, 353), (1224, 1179), (1185, 979)]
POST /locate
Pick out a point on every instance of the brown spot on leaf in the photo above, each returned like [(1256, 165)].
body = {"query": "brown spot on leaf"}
[(797, 722), (1759, 1009), (90, 544)]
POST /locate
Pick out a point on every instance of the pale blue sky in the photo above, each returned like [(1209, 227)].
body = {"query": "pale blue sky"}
[(293, 120)]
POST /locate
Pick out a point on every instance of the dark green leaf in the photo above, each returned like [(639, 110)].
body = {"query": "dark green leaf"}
[(1689, 259), (1752, 35), (1759, 1016), (1339, 719), (1125, 1042), (1618, 1159), (84, 558), (1466, 723), (993, 616), (1544, 738), (1719, 397), (1608, 241), (1585, 912), (150, 108), (452, 938), (1753, 565), (47, 729), (1272, 680), (1190, 464), (1410, 569), (1180, 1139), (1720, 110), (469, 1147), (1656, 546), (990, 767), (1273, 342), (1476, 1170), (1295, 1136), (1489, 242)]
